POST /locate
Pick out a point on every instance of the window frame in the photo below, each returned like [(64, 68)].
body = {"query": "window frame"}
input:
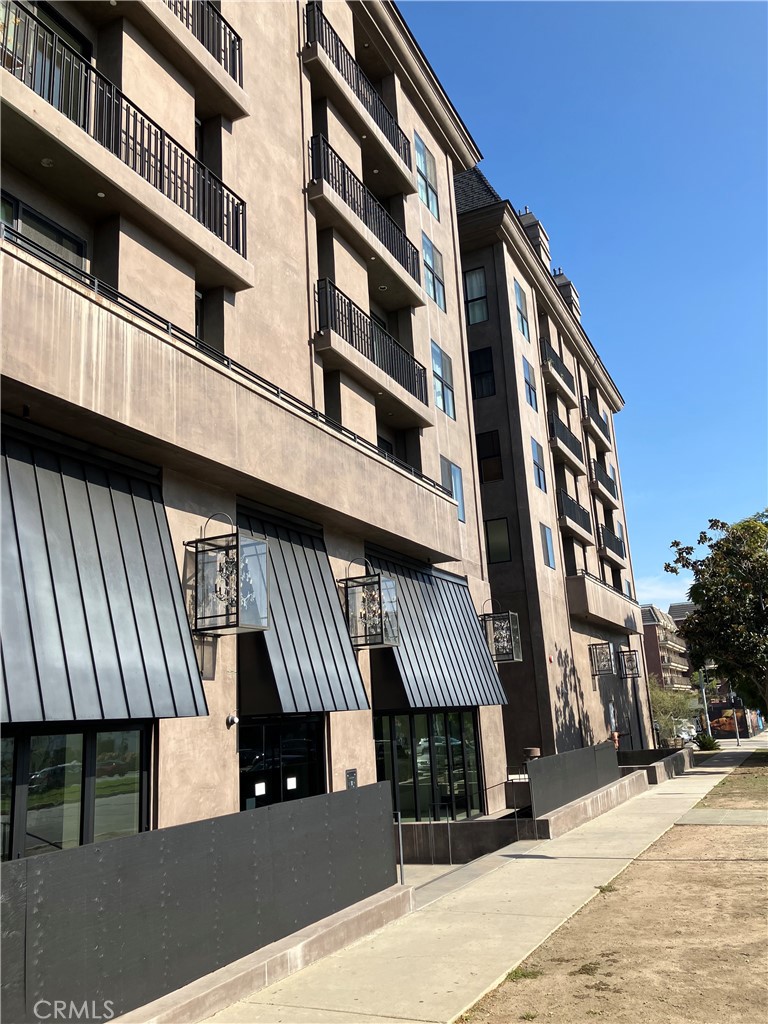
[(439, 358), (427, 176), (486, 524), (521, 302), (452, 480), (485, 375), (20, 208), (493, 454), (529, 377), (470, 303), (539, 469), (548, 546), (434, 282)]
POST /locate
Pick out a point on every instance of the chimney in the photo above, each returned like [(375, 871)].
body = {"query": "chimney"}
[(537, 236), (568, 292)]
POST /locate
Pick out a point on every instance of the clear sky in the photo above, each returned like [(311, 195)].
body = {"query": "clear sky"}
[(638, 134)]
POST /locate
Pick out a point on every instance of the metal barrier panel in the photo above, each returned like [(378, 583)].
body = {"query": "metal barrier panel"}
[(561, 778), (607, 764), (129, 920)]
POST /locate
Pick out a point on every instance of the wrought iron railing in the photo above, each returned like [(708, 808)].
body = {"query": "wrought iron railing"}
[(204, 21), (589, 411), (604, 479), (159, 323), (35, 55), (571, 509), (548, 355), (328, 166), (557, 429), (611, 542), (339, 313), (320, 30)]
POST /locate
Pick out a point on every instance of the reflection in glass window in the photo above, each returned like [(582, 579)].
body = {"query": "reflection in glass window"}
[(426, 174), (117, 784), (539, 474), (530, 385), (481, 371), (6, 794), (404, 756), (442, 376), (548, 547), (54, 793), (489, 456), (452, 481), (433, 271), (475, 296), (522, 311)]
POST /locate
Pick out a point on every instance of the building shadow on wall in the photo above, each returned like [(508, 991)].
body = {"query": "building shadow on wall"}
[(573, 727)]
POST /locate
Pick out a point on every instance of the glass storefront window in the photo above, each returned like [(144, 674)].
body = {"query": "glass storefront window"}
[(6, 794), (281, 758), (404, 755), (458, 775), (423, 764), (117, 784), (54, 794), (470, 758)]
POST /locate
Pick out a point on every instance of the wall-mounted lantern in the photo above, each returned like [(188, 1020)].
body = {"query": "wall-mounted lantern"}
[(231, 583), (601, 658), (629, 665), (502, 634), (370, 604)]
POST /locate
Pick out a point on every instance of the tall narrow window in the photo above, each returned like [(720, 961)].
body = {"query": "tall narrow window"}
[(530, 385), (45, 233), (547, 546), (522, 311), (426, 174), (481, 372), (433, 271), (442, 377), (452, 481), (539, 474), (497, 540), (489, 456), (476, 296)]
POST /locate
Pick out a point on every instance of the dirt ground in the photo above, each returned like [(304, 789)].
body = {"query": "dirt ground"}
[(679, 937)]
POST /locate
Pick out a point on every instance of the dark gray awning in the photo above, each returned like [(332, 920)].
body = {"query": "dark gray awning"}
[(308, 643), (443, 659), (93, 619)]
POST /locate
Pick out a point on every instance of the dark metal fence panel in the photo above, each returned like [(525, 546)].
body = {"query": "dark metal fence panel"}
[(561, 778), (549, 355), (569, 507), (206, 24), (131, 919), (558, 429)]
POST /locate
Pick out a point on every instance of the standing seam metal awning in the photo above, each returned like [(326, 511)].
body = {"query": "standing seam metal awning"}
[(308, 643), (93, 618), (443, 659)]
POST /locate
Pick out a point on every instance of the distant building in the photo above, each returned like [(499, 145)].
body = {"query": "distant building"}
[(666, 653)]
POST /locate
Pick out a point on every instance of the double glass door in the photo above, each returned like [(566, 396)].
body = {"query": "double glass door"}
[(281, 758)]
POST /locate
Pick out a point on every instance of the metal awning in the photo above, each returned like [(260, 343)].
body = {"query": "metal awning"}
[(443, 659), (93, 618), (308, 643)]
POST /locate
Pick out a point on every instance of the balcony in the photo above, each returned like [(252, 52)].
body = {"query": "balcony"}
[(596, 426), (611, 547), (591, 600), (566, 447), (343, 202), (557, 374), (574, 519), (603, 485), (336, 74), (350, 340), (206, 24), (38, 58)]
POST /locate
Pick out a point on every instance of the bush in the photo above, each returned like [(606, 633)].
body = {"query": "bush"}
[(706, 742)]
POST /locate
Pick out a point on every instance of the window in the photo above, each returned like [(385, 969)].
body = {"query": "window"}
[(522, 311), (497, 540), (530, 385), (385, 445), (475, 296), (489, 456), (481, 372), (451, 480), (539, 475), (442, 378), (433, 272), (426, 174), (546, 543), (43, 232)]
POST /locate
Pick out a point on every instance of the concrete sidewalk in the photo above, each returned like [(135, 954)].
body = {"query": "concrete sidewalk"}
[(475, 923)]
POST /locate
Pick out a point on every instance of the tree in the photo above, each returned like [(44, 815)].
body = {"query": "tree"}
[(669, 706), (729, 623)]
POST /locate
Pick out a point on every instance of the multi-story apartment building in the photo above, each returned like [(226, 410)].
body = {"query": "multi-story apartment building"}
[(231, 289), (666, 653), (551, 488)]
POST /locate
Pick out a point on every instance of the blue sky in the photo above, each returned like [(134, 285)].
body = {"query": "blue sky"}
[(637, 133)]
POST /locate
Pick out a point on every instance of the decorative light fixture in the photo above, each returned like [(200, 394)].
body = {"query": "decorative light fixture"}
[(370, 605), (231, 586), (629, 665), (502, 633), (601, 658)]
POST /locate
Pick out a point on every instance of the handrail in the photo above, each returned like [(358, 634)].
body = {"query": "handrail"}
[(339, 313), (35, 55), (320, 30), (328, 165), (611, 542), (549, 355), (207, 25), (558, 429), (101, 288), (590, 411), (601, 477), (571, 509)]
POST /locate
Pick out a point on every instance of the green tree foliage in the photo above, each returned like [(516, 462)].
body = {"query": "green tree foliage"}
[(729, 624), (669, 707)]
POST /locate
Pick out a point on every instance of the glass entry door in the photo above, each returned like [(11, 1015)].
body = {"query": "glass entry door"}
[(281, 758)]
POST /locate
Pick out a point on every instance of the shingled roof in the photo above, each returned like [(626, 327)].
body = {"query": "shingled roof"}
[(473, 190)]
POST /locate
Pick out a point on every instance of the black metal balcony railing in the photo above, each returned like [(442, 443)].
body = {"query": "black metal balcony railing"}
[(604, 479), (320, 30), (557, 429), (36, 56), (159, 323), (328, 166), (590, 411), (626, 593), (206, 24), (548, 355), (571, 509), (611, 542), (340, 314)]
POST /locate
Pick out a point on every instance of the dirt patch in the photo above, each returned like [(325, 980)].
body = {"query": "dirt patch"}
[(744, 787), (680, 939)]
